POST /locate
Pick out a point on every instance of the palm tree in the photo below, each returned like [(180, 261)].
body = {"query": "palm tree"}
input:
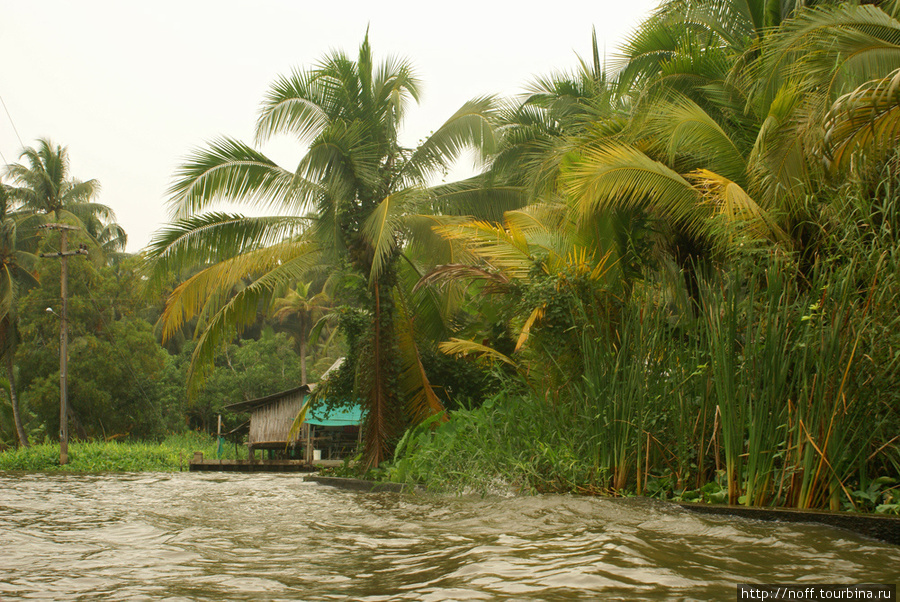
[(45, 189), (727, 101), (300, 311), (351, 201), (730, 104), (16, 273)]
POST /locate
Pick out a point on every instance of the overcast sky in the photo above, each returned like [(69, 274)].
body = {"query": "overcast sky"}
[(132, 87)]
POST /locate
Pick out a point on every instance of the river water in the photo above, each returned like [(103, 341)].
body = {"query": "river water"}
[(206, 536)]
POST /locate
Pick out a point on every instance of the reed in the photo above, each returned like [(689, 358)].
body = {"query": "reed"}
[(789, 376)]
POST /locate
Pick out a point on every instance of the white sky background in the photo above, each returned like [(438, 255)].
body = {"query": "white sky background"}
[(131, 87)]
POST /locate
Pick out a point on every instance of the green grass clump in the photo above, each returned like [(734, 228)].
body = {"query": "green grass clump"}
[(170, 455)]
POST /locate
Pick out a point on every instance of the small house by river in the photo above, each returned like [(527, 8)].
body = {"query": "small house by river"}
[(323, 436)]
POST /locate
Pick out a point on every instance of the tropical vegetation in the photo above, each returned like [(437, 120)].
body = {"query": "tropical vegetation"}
[(675, 274)]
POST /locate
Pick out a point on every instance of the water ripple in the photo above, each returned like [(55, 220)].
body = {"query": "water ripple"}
[(274, 537)]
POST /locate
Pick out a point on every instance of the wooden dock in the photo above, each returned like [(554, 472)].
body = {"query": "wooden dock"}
[(209, 465)]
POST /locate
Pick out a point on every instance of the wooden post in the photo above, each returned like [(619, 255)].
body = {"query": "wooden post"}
[(63, 351), (63, 256), (309, 442), (219, 440)]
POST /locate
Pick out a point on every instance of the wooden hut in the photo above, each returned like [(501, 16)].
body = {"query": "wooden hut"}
[(323, 436), (271, 418)]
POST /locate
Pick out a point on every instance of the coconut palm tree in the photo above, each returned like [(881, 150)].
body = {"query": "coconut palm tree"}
[(351, 202), (300, 312), (44, 188)]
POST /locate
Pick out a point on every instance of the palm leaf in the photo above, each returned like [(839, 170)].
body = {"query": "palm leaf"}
[(455, 272), (240, 310), (203, 293), (685, 129), (622, 176), (504, 249), (865, 121), (469, 127), (232, 171), (832, 49), (737, 207), (383, 227), (477, 197), (293, 105), (213, 237), (423, 402), (459, 347)]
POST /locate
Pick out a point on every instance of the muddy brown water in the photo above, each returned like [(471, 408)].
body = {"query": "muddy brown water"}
[(203, 536)]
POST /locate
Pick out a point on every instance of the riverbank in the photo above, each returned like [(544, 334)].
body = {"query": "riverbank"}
[(876, 526), (522, 443), (172, 454)]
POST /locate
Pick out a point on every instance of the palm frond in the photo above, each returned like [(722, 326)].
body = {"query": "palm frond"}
[(832, 49), (456, 272), (622, 176), (77, 192), (459, 347), (504, 249), (232, 171), (778, 164), (228, 319), (213, 237), (737, 208), (203, 293), (293, 105), (865, 121), (536, 314), (383, 227), (469, 127), (423, 402), (477, 197), (686, 130)]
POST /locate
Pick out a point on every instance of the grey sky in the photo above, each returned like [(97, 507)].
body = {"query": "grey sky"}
[(132, 87)]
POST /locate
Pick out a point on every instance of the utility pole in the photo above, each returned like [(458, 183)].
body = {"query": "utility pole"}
[(63, 256)]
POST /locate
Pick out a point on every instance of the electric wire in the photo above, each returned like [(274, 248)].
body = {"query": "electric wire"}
[(11, 122)]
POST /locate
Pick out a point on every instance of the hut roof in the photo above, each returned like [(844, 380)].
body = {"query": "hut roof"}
[(252, 404), (335, 417)]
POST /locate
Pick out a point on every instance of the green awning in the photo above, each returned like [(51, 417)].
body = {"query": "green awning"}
[(335, 417)]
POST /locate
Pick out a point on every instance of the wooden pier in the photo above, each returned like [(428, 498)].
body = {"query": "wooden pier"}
[(199, 464)]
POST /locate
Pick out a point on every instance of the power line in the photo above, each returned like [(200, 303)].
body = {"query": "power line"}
[(11, 123)]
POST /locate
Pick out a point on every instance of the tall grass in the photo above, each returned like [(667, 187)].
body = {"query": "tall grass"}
[(774, 387), (172, 454)]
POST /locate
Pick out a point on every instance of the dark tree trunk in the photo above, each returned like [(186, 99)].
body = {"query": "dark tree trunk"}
[(14, 400), (378, 381), (302, 360)]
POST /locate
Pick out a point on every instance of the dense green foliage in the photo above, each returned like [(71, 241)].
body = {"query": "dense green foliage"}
[(677, 277), (171, 454), (122, 383), (704, 288), (764, 392)]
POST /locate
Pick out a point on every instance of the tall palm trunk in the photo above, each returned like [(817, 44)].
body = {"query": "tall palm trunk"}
[(303, 360), (14, 400), (378, 379)]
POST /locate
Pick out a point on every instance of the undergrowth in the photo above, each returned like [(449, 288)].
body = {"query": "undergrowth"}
[(170, 455)]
